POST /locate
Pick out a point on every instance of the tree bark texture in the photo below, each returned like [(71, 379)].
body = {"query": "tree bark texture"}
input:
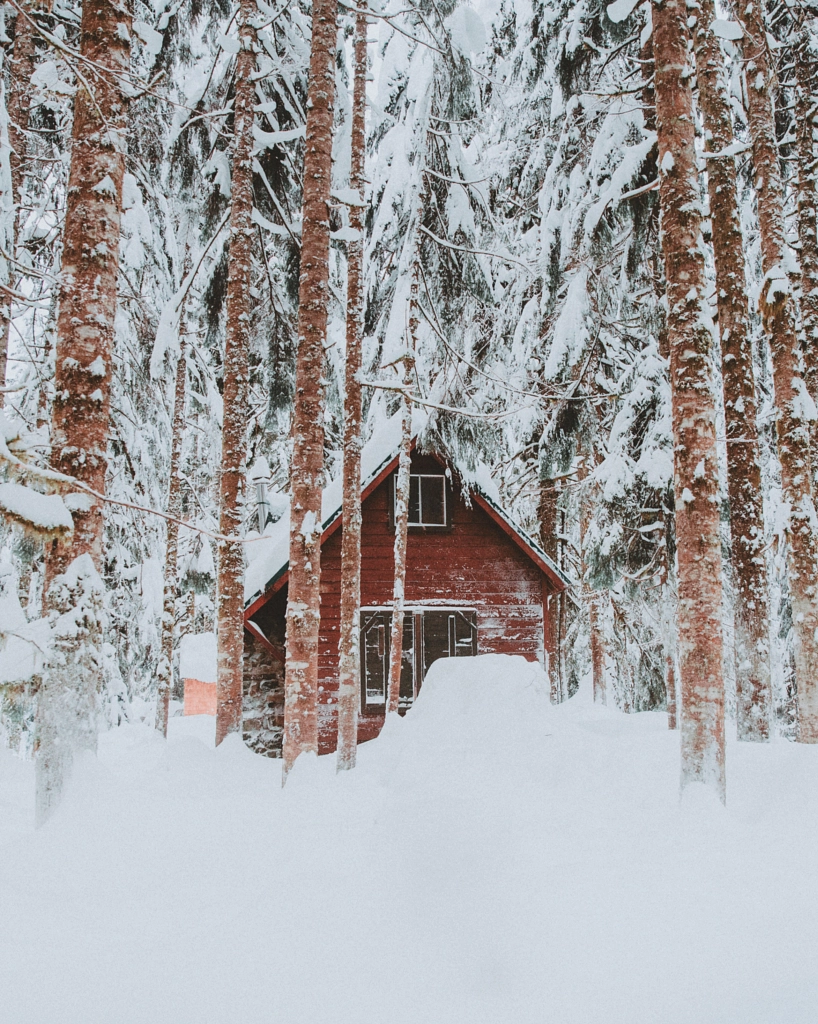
[(778, 312), (174, 508), (66, 707), (597, 650), (670, 675), (753, 684), (88, 280), (401, 531), (806, 126), (18, 104), (404, 465), (593, 599), (349, 674), (307, 466), (693, 408), (230, 577), (548, 516), (21, 68), (668, 636)]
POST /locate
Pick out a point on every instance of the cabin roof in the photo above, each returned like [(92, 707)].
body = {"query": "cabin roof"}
[(269, 556)]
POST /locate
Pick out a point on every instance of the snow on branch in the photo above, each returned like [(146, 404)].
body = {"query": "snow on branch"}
[(45, 514)]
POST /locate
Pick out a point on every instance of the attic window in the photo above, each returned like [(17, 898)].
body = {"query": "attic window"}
[(427, 499)]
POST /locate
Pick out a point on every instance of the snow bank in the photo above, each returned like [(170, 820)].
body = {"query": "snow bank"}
[(491, 859), (197, 657)]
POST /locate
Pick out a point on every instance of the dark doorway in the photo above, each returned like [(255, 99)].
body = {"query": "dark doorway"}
[(428, 634)]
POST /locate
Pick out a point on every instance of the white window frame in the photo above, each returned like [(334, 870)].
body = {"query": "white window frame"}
[(421, 476)]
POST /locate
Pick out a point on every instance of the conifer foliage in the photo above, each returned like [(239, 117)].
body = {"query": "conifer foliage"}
[(571, 246)]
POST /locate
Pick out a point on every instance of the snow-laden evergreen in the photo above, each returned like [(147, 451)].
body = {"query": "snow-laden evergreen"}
[(512, 166)]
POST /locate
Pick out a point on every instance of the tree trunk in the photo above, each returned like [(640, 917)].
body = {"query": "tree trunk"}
[(174, 507), (777, 306), (693, 408), (548, 516), (88, 291), (648, 90), (670, 677), (349, 685), (18, 104), (307, 466), (591, 597), (402, 484), (597, 652), (230, 576), (753, 685), (81, 407), (806, 123), (668, 599), (401, 526)]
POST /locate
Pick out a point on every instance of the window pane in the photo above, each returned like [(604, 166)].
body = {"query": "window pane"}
[(414, 499), (435, 637), (432, 507), (374, 659), (407, 668)]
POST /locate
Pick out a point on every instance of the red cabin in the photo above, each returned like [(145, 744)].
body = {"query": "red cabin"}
[(475, 584)]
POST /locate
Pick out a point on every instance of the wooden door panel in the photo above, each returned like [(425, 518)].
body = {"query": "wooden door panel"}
[(374, 660), (448, 633), (427, 635), (407, 667)]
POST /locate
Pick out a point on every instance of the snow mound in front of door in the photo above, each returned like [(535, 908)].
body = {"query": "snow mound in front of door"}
[(468, 707)]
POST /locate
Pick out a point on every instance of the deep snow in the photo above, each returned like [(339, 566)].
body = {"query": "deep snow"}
[(491, 859)]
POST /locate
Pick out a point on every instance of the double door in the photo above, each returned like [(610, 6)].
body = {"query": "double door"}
[(428, 634)]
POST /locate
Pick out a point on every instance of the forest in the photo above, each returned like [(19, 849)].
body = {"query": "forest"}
[(570, 246), (353, 345)]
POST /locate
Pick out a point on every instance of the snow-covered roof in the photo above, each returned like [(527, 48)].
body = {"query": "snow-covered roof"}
[(269, 557)]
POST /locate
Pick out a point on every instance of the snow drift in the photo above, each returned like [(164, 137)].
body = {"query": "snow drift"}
[(491, 859)]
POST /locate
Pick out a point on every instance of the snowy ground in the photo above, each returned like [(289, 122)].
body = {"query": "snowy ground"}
[(492, 859)]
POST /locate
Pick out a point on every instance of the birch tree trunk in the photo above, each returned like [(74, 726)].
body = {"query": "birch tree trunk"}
[(230, 575), (806, 125), (174, 508), (18, 104), (349, 684), (81, 408), (753, 686), (401, 524), (307, 467), (778, 312), (693, 408), (404, 476)]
